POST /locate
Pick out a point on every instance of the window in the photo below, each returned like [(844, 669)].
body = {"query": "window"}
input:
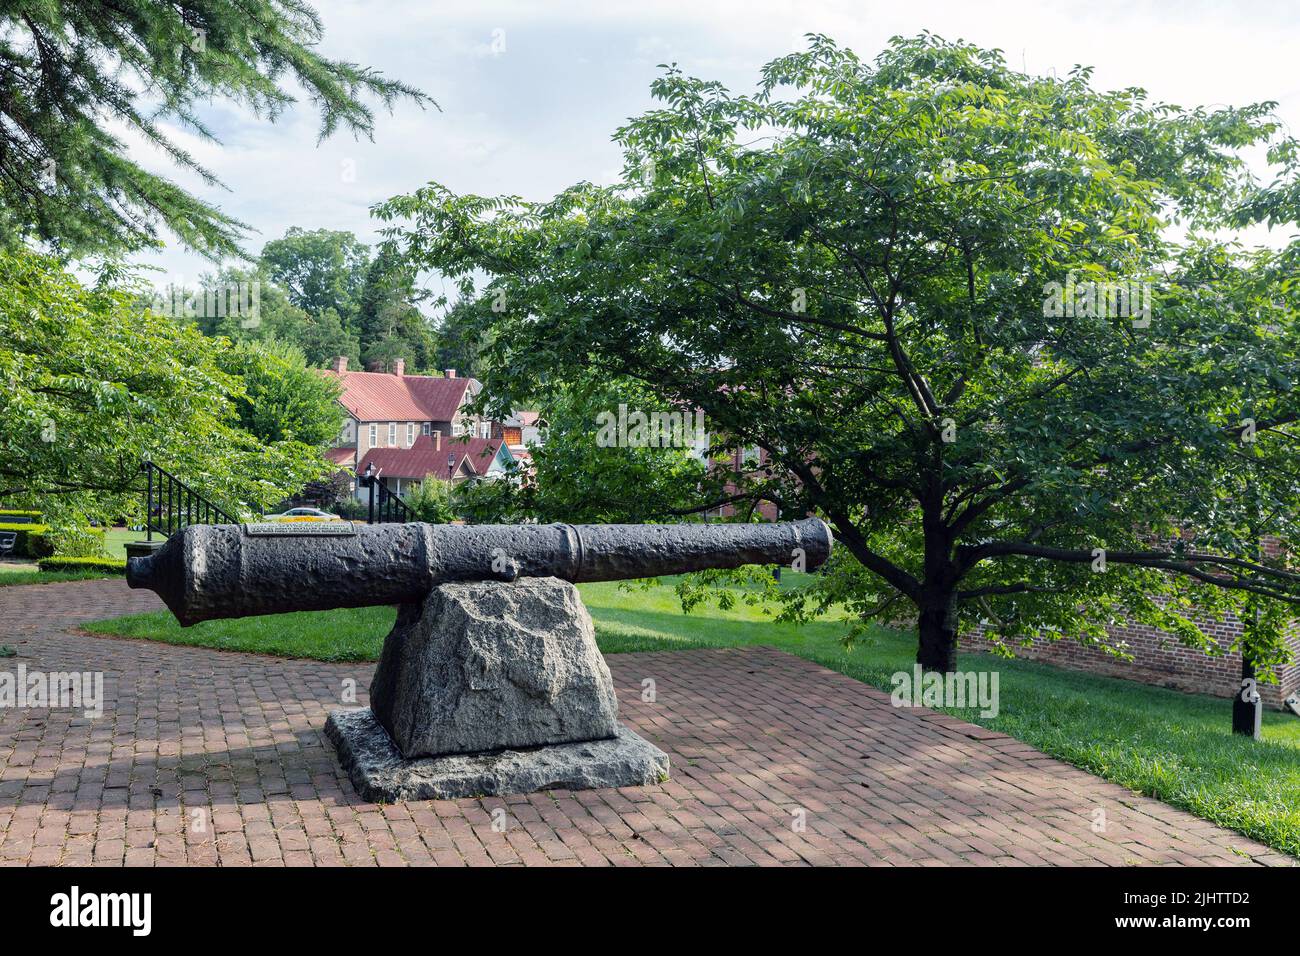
[(410, 433), (424, 428), (392, 433), (485, 429), (374, 434)]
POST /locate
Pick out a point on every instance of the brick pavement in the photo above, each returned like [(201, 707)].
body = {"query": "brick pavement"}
[(211, 758)]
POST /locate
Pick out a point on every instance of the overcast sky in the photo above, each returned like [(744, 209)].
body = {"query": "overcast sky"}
[(532, 91)]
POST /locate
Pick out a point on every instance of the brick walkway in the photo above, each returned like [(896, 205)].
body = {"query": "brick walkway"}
[(205, 757)]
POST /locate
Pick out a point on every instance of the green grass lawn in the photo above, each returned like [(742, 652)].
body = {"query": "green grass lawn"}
[(15, 573), (1175, 747), (115, 540)]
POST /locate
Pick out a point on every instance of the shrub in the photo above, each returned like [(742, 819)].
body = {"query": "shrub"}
[(82, 542), (61, 563), (9, 513), (432, 501), (350, 509)]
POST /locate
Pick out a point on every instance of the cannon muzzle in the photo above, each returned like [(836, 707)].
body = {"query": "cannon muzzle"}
[(215, 571)]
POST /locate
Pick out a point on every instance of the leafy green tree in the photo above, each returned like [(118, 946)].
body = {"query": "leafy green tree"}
[(94, 385), (247, 305), (73, 72), (579, 475), (389, 323), (461, 339), (980, 321), (433, 501), (283, 399), (324, 338), (322, 270), (242, 305)]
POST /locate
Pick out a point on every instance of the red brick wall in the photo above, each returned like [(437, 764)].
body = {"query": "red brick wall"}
[(1157, 659)]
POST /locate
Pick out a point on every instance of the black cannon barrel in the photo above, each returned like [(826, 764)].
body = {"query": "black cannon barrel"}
[(214, 571)]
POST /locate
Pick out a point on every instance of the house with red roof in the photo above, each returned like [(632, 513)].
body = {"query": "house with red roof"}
[(457, 459), (409, 427)]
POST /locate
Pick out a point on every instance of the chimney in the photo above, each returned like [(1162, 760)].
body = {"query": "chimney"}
[(437, 440), (399, 366), (449, 372), (341, 364)]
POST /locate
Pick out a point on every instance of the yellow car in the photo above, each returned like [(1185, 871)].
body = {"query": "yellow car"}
[(303, 514)]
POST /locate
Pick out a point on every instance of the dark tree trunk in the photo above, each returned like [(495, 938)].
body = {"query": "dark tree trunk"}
[(937, 627)]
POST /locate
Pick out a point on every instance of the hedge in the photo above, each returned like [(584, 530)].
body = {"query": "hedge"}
[(107, 565), (33, 540)]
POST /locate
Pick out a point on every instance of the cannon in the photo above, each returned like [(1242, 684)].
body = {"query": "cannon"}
[(490, 681), (216, 571)]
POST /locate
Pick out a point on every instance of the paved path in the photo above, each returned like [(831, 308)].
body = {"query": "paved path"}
[(205, 757)]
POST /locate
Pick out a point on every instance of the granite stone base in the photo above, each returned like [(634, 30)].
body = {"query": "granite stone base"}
[(380, 773)]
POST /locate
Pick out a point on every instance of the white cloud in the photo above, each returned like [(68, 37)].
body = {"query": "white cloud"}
[(536, 112)]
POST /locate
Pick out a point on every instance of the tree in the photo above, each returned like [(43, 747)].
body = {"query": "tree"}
[(324, 338), (72, 73), (922, 285), (247, 305), (461, 340), (576, 479), (432, 501), (389, 323), (322, 270), (94, 385), (283, 399)]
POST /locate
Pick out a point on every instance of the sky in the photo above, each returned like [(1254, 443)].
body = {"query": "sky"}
[(530, 93)]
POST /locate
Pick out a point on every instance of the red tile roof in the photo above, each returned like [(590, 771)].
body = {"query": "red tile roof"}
[(383, 397), (341, 456), (479, 451), (423, 458)]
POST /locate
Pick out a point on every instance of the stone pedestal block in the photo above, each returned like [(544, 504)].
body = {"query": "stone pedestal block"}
[(484, 666), (489, 688)]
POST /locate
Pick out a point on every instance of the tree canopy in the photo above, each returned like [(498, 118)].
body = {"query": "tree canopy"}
[(282, 398), (75, 73), (358, 305), (95, 384), (984, 322), (322, 270)]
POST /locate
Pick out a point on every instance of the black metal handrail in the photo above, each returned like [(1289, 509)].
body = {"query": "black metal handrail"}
[(170, 505), (390, 509)]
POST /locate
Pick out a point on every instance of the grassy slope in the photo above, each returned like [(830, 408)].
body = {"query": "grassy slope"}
[(1176, 747)]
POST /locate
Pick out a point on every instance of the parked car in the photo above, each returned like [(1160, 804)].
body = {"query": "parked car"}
[(304, 514)]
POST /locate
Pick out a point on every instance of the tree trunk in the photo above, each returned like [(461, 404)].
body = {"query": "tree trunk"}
[(937, 627)]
